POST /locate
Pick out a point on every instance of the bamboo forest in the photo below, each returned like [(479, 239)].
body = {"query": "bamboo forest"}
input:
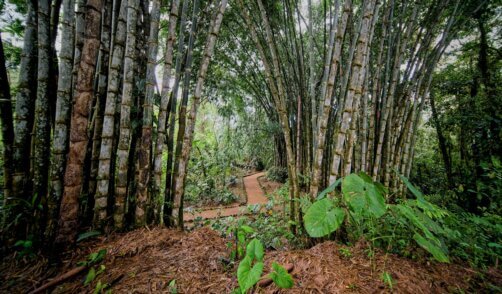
[(250, 146)]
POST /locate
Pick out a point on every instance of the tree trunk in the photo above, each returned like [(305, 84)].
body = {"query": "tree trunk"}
[(79, 137), (125, 115), (184, 97), (7, 131), (192, 115), (442, 142), (79, 37), (164, 107), (63, 112), (328, 101), (144, 154), (100, 93), (169, 188), (24, 119), (42, 125), (105, 171)]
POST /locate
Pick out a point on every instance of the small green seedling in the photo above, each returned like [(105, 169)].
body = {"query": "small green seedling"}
[(345, 252), (25, 248), (281, 277), (387, 280), (172, 287), (251, 268), (92, 260)]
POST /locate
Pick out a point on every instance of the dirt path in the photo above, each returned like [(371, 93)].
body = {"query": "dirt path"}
[(254, 194)]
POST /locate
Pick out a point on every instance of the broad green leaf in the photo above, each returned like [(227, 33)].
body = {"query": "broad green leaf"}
[(248, 276), (381, 188), (412, 188), (323, 218), (247, 229), (365, 177), (255, 250), (281, 277), (90, 276), (376, 201), (330, 189), (353, 189), (436, 251), (363, 196)]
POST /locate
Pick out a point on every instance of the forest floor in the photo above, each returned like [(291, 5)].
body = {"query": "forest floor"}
[(147, 260), (254, 194)]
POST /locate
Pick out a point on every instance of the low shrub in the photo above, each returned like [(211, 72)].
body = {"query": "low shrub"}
[(277, 174)]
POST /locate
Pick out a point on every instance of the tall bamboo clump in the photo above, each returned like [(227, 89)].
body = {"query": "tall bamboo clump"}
[(356, 103), (347, 92), (100, 173)]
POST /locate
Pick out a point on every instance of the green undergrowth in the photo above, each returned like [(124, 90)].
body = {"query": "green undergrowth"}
[(357, 208)]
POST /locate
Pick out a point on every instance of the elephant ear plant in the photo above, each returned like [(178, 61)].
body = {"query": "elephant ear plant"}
[(251, 268), (362, 205)]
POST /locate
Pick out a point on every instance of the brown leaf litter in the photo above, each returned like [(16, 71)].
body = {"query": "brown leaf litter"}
[(145, 261)]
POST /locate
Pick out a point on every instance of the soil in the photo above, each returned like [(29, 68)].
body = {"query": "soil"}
[(146, 261), (268, 186)]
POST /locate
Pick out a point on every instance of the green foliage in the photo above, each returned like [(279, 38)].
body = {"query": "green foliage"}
[(269, 226), (387, 280), (241, 232), (23, 209), (95, 257), (366, 205), (277, 174), (93, 273), (255, 250), (490, 185), (204, 192), (173, 289), (251, 267), (475, 239), (100, 287), (345, 252), (25, 248), (434, 249), (323, 218), (281, 277), (467, 120), (363, 197), (92, 260), (330, 189)]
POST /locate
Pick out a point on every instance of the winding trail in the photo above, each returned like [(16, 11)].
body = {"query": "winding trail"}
[(254, 195)]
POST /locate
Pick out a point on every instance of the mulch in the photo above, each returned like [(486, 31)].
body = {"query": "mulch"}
[(147, 260)]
